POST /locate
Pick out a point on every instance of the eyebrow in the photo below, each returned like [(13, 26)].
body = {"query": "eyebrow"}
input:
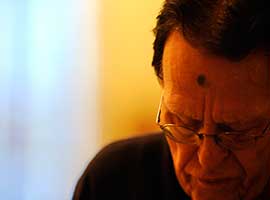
[(181, 114), (246, 124), (225, 125)]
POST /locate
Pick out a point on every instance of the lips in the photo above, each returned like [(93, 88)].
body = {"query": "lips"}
[(217, 182)]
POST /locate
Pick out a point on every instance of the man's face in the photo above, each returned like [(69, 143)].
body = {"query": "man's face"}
[(234, 94)]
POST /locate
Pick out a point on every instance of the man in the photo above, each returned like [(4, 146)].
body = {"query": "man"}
[(212, 61)]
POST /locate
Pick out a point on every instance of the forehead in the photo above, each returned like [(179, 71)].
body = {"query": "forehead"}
[(232, 87)]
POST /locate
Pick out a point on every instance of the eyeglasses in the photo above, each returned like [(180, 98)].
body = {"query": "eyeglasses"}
[(233, 140)]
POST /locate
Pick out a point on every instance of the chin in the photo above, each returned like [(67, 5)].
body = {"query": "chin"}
[(205, 194), (201, 191), (198, 196)]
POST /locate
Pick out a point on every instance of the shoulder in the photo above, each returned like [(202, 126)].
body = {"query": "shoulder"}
[(125, 162), (121, 157), (136, 168), (130, 149)]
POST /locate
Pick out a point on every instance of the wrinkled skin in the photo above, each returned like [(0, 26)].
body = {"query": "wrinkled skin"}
[(236, 94)]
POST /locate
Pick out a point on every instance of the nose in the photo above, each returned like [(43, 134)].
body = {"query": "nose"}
[(210, 154)]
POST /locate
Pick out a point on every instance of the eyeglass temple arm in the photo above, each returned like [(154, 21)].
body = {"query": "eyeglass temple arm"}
[(159, 109)]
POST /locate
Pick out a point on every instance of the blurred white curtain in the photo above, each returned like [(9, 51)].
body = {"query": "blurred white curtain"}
[(48, 96)]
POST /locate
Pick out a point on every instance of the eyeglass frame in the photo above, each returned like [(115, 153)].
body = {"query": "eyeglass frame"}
[(202, 135)]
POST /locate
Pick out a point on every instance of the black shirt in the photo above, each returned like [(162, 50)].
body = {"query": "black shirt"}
[(133, 169)]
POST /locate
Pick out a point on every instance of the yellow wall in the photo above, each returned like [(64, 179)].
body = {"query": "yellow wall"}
[(129, 88)]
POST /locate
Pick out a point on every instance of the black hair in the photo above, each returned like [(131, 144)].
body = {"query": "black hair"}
[(227, 28)]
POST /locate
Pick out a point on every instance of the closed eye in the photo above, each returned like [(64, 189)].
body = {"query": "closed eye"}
[(181, 121), (225, 128), (190, 123)]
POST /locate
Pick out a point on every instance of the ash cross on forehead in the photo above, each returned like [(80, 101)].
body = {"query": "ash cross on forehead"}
[(201, 80)]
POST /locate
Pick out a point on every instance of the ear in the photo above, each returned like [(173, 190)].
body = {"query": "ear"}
[(161, 82)]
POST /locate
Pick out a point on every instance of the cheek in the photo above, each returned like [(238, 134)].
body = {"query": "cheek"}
[(182, 155), (256, 158), (256, 163)]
